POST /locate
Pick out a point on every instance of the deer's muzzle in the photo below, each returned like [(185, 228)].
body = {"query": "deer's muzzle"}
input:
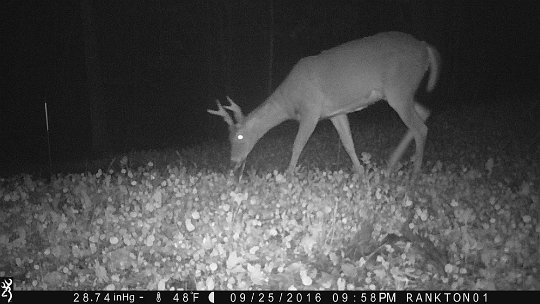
[(238, 167)]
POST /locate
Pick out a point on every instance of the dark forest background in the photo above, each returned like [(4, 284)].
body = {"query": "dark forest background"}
[(123, 75)]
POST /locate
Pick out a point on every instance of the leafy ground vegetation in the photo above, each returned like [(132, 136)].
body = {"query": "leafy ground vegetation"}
[(179, 220)]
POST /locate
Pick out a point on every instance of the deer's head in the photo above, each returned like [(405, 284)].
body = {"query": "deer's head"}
[(240, 139)]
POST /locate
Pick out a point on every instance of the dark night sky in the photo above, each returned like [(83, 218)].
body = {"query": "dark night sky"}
[(164, 62)]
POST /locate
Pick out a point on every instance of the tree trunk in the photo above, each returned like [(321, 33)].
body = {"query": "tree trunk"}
[(227, 40), (94, 81), (270, 48)]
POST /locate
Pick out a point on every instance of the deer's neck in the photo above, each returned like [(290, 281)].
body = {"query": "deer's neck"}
[(266, 116)]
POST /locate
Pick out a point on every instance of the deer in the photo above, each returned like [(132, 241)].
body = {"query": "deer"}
[(347, 78)]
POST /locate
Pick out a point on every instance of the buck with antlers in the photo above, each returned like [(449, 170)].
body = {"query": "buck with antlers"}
[(347, 78)]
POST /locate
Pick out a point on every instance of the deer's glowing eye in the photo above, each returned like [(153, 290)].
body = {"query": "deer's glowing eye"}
[(240, 136)]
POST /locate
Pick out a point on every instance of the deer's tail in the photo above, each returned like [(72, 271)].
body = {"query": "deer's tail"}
[(434, 67)]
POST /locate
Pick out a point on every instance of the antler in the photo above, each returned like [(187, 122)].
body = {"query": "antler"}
[(221, 112), (237, 111)]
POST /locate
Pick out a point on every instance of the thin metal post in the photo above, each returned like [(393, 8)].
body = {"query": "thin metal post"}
[(48, 139)]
